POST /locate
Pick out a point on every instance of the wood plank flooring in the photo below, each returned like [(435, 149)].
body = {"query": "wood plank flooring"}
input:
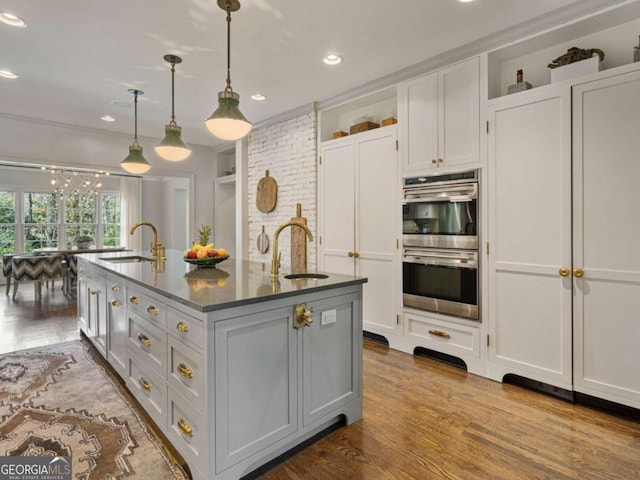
[(422, 419)]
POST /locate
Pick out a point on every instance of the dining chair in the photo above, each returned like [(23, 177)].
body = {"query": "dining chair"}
[(7, 269), (28, 268)]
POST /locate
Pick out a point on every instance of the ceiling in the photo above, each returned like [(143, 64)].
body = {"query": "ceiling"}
[(76, 57)]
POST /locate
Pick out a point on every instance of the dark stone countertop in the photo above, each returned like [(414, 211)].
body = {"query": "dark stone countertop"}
[(230, 284)]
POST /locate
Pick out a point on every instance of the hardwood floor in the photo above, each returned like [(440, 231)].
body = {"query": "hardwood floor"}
[(27, 323), (422, 419)]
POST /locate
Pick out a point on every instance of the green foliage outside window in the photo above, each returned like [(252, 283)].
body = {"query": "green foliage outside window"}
[(7, 222)]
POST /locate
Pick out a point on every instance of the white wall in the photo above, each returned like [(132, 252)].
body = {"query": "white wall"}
[(288, 151)]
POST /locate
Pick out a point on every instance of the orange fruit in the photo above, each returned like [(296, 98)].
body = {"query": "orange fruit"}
[(222, 252), (201, 254)]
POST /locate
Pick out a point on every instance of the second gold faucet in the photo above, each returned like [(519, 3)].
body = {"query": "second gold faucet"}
[(275, 261)]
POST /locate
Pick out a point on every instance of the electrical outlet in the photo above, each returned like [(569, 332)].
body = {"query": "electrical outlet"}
[(328, 316)]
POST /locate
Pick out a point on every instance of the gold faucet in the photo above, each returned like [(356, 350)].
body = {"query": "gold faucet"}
[(275, 261), (157, 249)]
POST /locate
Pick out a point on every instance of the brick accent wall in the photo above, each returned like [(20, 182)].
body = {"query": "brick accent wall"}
[(289, 151)]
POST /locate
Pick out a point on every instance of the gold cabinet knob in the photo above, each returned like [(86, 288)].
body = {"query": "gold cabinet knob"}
[(185, 371), (135, 300), (142, 338), (350, 254), (303, 316), (434, 161), (564, 272), (440, 160), (94, 292), (144, 384), (578, 273), (153, 310), (185, 427), (182, 327), (115, 288), (356, 254), (116, 303), (439, 333)]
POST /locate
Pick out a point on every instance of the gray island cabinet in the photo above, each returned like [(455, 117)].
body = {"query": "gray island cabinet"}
[(234, 368)]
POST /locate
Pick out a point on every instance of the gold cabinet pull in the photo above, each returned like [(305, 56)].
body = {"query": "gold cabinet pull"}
[(153, 310), (440, 160), (94, 292), (578, 272), (185, 427), (116, 303), (115, 288), (182, 327), (146, 385), (564, 272), (142, 338), (439, 333), (350, 254), (185, 371), (135, 300), (434, 161), (356, 254), (303, 316)]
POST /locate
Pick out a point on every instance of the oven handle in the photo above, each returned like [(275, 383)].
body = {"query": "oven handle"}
[(441, 261), (461, 193)]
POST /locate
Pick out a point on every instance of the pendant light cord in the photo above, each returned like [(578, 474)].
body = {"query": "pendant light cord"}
[(228, 88), (173, 71), (135, 107)]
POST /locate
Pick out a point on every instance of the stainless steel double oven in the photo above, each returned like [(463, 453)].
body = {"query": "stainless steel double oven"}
[(440, 244)]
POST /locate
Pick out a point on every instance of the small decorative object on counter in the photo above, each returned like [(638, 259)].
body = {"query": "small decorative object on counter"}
[(575, 63), (339, 134), (204, 254), (636, 52), (520, 85)]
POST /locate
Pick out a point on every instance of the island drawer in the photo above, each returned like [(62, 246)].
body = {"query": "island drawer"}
[(150, 390), (186, 327), (186, 430), (148, 342), (186, 371), (145, 306)]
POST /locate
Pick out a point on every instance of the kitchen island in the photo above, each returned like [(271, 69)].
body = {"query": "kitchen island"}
[(234, 367)]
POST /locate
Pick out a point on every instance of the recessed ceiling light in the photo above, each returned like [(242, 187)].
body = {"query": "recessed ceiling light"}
[(11, 19), (107, 118), (332, 59), (258, 97), (8, 74), (465, 1)]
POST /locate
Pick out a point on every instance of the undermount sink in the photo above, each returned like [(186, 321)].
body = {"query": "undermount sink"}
[(293, 276), (131, 259)]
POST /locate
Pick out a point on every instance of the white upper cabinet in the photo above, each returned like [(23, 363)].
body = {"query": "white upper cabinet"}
[(439, 118)]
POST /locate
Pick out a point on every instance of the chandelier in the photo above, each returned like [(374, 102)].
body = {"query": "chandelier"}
[(79, 182)]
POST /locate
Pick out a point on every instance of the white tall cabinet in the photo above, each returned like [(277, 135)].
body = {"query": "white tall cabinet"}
[(563, 271), (606, 231), (359, 220)]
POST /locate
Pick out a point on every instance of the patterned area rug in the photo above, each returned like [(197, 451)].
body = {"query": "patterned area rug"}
[(60, 401)]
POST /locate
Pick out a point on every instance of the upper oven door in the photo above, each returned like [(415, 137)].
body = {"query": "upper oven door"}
[(440, 216)]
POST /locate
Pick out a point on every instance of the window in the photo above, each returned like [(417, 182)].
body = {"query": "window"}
[(40, 225), (110, 203), (80, 218), (7, 222)]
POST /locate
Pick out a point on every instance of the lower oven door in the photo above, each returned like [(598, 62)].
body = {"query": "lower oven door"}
[(441, 281)]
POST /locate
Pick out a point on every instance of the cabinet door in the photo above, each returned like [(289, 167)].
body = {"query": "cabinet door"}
[(530, 236), (97, 315), (256, 384), (378, 213), (459, 114), (418, 119), (331, 357), (117, 325), (606, 231), (336, 207)]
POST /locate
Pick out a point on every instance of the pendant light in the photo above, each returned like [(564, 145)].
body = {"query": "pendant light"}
[(172, 147), (228, 122), (135, 162)]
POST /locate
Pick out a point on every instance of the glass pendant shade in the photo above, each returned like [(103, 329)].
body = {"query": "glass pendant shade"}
[(228, 122), (172, 147), (135, 162)]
